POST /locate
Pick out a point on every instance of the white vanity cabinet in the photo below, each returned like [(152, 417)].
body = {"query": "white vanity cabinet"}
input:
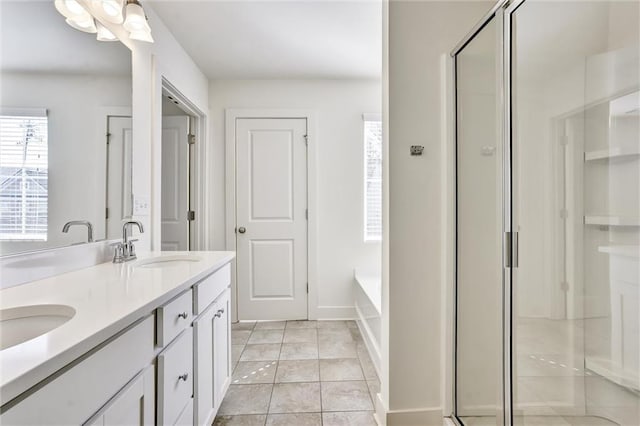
[(212, 335), (75, 394), (196, 362), (132, 406), (169, 366)]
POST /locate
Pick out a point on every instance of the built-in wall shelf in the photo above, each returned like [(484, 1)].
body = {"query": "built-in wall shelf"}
[(615, 373), (626, 251), (612, 153), (612, 220)]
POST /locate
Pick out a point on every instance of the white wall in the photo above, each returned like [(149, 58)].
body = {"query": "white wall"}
[(339, 105), (76, 146), (419, 34), (162, 60)]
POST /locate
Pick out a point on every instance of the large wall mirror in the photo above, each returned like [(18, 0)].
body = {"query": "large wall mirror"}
[(65, 130)]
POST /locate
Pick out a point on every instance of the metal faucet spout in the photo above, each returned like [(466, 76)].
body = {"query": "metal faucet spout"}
[(128, 224), (86, 223)]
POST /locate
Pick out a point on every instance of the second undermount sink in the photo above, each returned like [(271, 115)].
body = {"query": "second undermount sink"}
[(22, 323), (168, 260)]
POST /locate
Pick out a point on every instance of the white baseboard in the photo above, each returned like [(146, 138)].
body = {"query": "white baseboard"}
[(372, 348), (415, 417), (334, 313), (381, 411)]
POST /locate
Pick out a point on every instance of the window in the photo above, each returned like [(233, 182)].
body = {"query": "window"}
[(23, 174), (373, 177)]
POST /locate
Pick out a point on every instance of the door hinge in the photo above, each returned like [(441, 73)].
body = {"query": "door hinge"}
[(191, 215), (306, 140), (306, 214), (511, 249), (307, 288), (108, 137), (191, 139), (106, 213)]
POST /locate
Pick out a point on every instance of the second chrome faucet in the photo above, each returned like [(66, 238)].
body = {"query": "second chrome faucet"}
[(125, 250)]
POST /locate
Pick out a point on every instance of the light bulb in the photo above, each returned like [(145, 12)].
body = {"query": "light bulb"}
[(74, 7), (110, 10), (136, 19), (71, 9)]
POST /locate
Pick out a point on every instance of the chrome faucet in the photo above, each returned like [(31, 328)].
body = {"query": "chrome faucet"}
[(86, 223), (126, 251)]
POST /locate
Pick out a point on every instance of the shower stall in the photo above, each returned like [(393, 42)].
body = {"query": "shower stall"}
[(547, 156)]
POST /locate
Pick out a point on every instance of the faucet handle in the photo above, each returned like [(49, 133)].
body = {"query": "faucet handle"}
[(118, 255), (131, 249)]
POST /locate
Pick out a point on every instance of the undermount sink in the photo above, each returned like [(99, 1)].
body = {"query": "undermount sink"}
[(22, 323), (168, 260)]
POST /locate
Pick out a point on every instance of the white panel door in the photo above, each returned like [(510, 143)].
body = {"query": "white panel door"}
[(175, 183), (119, 156), (271, 223)]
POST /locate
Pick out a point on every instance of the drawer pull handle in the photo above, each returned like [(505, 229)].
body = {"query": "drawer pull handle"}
[(183, 315), (219, 313), (183, 377)]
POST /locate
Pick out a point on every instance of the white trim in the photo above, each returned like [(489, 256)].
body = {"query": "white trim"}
[(424, 416), (198, 190), (231, 115), (367, 337), (23, 112), (334, 312), (447, 235), (371, 117)]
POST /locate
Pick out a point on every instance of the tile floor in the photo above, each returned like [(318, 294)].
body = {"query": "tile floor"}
[(299, 373)]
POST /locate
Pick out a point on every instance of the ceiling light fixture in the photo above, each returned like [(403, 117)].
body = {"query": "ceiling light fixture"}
[(141, 36), (76, 15), (134, 20), (110, 10), (87, 25), (104, 34)]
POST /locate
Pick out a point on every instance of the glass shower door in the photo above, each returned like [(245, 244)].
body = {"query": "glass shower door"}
[(478, 346), (576, 208)]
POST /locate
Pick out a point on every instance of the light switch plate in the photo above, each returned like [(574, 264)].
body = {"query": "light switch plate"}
[(141, 205)]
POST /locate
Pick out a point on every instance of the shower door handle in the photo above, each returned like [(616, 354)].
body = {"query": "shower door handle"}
[(511, 249)]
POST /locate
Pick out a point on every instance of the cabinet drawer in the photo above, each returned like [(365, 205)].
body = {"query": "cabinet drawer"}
[(174, 317), (211, 287), (175, 378)]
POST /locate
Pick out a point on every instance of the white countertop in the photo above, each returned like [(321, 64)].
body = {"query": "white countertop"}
[(107, 298)]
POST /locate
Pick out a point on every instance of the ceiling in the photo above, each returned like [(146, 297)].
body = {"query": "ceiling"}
[(278, 39), (34, 38)]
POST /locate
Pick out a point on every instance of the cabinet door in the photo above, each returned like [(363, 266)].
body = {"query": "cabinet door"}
[(221, 348), (203, 367), (175, 378), (133, 406)]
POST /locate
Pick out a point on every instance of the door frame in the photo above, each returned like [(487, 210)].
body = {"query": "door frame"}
[(231, 116), (501, 12), (197, 170)]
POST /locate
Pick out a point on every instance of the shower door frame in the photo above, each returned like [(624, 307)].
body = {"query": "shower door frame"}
[(502, 12)]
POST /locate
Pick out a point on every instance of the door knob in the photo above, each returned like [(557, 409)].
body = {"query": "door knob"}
[(242, 230)]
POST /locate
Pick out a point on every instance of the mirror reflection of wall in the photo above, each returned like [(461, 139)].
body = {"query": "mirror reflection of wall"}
[(65, 130)]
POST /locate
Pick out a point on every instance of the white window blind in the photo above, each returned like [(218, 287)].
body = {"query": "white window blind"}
[(373, 177), (23, 174)]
